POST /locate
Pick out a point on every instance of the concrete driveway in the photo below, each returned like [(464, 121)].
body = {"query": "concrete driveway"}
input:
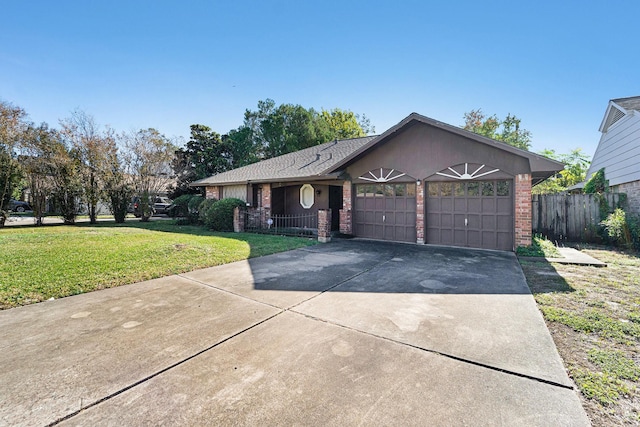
[(347, 333)]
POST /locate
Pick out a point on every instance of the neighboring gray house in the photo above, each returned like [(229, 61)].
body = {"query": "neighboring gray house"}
[(618, 151), (421, 181)]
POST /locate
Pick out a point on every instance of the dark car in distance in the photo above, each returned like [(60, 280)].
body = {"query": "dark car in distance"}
[(19, 206)]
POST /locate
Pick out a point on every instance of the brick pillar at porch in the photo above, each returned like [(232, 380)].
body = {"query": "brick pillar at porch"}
[(265, 194), (324, 225), (345, 212), (212, 192), (420, 212), (238, 219), (523, 210)]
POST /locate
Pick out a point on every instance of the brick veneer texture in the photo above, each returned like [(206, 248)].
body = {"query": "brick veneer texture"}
[(420, 213), (213, 193), (632, 189), (266, 196), (523, 210), (345, 212), (324, 225)]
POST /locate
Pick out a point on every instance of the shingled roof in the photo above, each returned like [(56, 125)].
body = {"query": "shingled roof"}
[(313, 162), (321, 161), (631, 103)]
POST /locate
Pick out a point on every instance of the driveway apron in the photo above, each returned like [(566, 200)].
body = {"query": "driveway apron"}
[(348, 333)]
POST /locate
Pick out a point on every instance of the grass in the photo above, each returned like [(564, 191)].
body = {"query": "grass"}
[(594, 317), (540, 247), (39, 263)]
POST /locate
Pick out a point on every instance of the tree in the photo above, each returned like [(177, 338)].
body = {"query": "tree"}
[(574, 172), (148, 157), (343, 124), (507, 130), (91, 146), (12, 128), (117, 185), (37, 157), (205, 154)]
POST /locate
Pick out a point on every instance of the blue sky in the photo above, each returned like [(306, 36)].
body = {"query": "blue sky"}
[(169, 64)]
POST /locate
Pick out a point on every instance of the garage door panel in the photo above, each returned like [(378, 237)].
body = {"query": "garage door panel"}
[(504, 223), (488, 205), (459, 205), (474, 205), (446, 237), (489, 222), (474, 213), (368, 216), (389, 213), (473, 221), (503, 205)]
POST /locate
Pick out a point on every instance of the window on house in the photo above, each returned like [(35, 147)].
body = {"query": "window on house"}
[(307, 196)]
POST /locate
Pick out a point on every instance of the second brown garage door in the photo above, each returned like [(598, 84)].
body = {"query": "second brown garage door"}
[(477, 214), (386, 211)]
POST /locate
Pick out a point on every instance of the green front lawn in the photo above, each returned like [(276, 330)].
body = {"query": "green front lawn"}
[(38, 263)]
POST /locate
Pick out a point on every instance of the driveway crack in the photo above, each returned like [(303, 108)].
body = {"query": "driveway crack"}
[(162, 371), (440, 353)]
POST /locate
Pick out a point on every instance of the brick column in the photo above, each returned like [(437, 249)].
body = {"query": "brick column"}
[(345, 212), (324, 225), (420, 213), (213, 192), (523, 210), (266, 196), (238, 219)]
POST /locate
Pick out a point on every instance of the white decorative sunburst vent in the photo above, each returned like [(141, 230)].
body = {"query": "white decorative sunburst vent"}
[(466, 175), (374, 176)]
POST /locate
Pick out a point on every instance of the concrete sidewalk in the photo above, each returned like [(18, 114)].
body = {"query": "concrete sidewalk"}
[(347, 333)]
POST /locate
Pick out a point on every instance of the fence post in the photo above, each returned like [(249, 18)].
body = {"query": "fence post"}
[(324, 225), (238, 220)]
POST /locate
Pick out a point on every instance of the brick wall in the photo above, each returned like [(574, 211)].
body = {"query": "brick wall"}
[(632, 189), (523, 210), (324, 225), (345, 212), (420, 213), (213, 193), (238, 219), (266, 196)]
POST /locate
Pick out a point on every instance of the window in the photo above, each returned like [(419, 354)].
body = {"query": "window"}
[(307, 196)]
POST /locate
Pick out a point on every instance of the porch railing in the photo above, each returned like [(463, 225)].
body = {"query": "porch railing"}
[(260, 221)]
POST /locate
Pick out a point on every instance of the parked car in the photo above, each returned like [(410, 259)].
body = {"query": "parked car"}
[(159, 205), (19, 206)]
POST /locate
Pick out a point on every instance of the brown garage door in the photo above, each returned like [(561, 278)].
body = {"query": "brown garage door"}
[(477, 214), (386, 211)]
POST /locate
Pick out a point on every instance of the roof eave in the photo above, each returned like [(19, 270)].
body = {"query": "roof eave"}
[(447, 127)]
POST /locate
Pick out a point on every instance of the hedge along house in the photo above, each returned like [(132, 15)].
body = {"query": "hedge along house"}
[(421, 181)]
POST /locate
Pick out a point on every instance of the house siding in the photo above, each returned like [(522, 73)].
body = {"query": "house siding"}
[(618, 152)]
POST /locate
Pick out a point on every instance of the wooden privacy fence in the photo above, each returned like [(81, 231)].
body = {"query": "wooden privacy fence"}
[(572, 217)]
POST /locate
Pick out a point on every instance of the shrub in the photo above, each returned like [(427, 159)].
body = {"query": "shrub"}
[(623, 229), (597, 183), (194, 206), (617, 228), (204, 207), (219, 216), (181, 206)]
